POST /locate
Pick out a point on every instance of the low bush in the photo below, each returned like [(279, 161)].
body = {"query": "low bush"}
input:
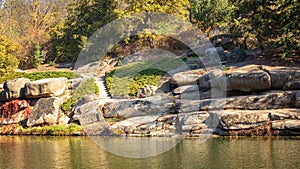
[(88, 87)]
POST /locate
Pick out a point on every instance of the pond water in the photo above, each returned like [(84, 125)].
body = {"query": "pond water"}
[(81, 152)]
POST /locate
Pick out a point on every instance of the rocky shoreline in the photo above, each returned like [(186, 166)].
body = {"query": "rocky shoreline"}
[(255, 100)]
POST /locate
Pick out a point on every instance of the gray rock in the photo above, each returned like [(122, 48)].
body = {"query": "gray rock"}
[(138, 107), (280, 76), (236, 55), (15, 88), (193, 118), (248, 78), (85, 107), (45, 87), (281, 114), (286, 125), (243, 119), (187, 78), (45, 112), (223, 40), (267, 100), (204, 94), (186, 89), (129, 125), (146, 91), (292, 124), (92, 120), (164, 85), (292, 85), (4, 96)]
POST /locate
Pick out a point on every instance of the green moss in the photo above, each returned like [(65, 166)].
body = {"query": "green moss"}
[(88, 87), (128, 79), (39, 75)]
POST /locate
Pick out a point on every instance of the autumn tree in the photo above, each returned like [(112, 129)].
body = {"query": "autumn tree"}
[(30, 22)]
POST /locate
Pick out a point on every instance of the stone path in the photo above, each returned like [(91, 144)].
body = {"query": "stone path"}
[(103, 91)]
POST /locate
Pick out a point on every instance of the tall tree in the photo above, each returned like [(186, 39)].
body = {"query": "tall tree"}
[(84, 18), (210, 15)]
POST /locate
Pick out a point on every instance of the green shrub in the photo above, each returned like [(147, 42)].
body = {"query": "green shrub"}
[(128, 79), (38, 60), (88, 87), (38, 75)]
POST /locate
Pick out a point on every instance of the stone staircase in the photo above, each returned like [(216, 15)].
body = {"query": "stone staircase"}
[(103, 91)]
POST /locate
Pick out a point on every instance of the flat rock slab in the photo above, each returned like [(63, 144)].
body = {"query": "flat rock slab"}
[(266, 100), (187, 78), (286, 125), (46, 87), (138, 107)]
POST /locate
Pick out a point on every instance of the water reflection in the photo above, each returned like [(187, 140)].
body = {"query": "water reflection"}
[(82, 152)]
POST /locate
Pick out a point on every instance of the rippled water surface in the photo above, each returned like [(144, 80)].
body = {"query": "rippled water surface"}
[(82, 152)]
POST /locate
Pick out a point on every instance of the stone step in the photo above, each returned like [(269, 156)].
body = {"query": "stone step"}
[(103, 91)]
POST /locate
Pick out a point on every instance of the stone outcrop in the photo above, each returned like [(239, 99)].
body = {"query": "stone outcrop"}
[(45, 112), (45, 88), (253, 106), (248, 100)]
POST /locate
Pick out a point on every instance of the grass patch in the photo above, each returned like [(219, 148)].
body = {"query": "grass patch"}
[(88, 87), (128, 79), (39, 75), (52, 130)]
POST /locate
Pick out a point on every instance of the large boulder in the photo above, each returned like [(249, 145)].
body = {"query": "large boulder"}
[(92, 120), (45, 112), (164, 85), (248, 78), (46, 87), (223, 40), (84, 108), (284, 77), (15, 88), (187, 78), (14, 111), (236, 55)]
